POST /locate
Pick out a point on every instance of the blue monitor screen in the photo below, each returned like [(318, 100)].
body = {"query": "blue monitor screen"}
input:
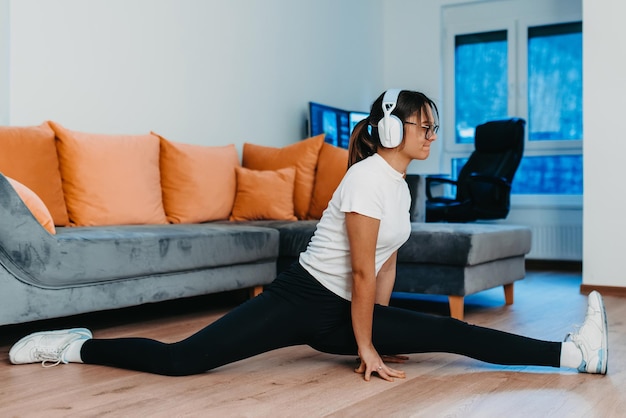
[(356, 117), (336, 123)]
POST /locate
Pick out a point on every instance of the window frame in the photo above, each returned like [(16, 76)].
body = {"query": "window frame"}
[(523, 17)]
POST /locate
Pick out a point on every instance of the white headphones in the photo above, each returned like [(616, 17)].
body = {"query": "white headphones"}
[(390, 128)]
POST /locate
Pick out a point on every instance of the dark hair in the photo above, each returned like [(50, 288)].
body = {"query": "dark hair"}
[(365, 141)]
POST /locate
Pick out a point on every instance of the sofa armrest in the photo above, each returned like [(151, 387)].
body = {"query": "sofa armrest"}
[(21, 235), (417, 187)]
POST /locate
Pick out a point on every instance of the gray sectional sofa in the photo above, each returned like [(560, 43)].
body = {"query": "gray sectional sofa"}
[(85, 269)]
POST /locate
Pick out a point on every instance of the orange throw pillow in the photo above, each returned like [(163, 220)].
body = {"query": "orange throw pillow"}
[(264, 194), (34, 204), (28, 154), (301, 155), (331, 167), (198, 182), (110, 179)]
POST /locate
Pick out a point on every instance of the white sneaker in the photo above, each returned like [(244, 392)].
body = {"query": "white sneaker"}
[(47, 347), (592, 337)]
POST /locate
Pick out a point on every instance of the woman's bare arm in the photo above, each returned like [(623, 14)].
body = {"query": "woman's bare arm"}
[(362, 235), (385, 280)]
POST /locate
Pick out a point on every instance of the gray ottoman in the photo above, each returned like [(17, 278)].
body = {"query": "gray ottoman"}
[(461, 259), (443, 259)]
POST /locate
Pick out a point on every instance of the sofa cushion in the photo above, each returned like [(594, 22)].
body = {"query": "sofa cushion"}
[(34, 204), (463, 244), (198, 182), (294, 236), (29, 156), (430, 244), (264, 194), (129, 251), (110, 179), (301, 155), (294, 239), (331, 167)]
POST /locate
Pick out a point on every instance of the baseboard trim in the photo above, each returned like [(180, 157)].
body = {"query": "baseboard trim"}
[(554, 265), (605, 290)]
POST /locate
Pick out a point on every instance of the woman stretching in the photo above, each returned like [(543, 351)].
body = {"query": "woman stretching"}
[(335, 299)]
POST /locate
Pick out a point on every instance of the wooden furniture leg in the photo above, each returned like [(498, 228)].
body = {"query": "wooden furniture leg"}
[(508, 293), (456, 306), (255, 291)]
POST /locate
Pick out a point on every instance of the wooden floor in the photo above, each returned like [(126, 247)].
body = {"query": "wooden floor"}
[(300, 382)]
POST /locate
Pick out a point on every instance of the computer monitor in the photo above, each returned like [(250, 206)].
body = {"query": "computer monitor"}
[(356, 117), (336, 123)]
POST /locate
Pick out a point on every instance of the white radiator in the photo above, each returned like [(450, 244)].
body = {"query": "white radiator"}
[(556, 242), (557, 230)]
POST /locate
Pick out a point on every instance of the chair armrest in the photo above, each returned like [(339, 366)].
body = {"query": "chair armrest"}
[(435, 181), (497, 181)]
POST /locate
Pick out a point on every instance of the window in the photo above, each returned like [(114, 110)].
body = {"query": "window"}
[(480, 84), (518, 65), (555, 82)]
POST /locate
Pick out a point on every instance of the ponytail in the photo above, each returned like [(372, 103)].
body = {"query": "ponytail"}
[(361, 143)]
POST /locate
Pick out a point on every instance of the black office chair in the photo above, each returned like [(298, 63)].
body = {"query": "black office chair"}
[(483, 189)]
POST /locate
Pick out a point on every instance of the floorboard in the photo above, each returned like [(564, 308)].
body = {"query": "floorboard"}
[(298, 381)]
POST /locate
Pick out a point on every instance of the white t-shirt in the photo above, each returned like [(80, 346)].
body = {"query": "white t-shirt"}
[(372, 188)]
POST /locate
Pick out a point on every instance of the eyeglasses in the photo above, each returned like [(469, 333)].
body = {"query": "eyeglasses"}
[(430, 129)]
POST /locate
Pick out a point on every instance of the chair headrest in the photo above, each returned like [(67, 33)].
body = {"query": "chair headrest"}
[(499, 135)]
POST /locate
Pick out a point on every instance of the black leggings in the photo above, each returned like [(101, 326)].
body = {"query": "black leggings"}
[(296, 309)]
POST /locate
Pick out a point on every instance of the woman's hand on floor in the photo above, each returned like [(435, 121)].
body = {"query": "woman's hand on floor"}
[(374, 363)]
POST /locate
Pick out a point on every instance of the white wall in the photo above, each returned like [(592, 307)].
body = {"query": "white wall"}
[(196, 71), (412, 58), (4, 62), (604, 91)]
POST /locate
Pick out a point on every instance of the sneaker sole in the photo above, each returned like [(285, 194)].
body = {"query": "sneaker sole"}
[(18, 345), (604, 353)]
